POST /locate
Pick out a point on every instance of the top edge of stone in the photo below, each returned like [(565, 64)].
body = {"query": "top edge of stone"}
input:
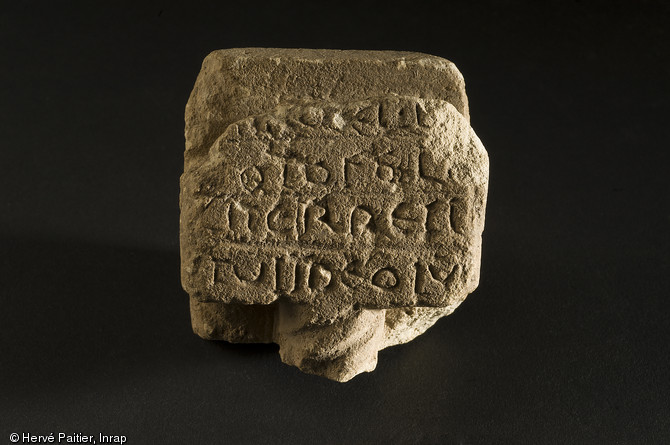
[(238, 82), (332, 55)]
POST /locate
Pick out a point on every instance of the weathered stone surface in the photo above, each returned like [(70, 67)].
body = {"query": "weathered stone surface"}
[(332, 201)]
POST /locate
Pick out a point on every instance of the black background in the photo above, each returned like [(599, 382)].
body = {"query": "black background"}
[(566, 340)]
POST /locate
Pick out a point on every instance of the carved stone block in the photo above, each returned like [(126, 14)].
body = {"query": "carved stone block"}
[(332, 201)]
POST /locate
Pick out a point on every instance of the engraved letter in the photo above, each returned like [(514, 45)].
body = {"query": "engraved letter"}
[(282, 220), (409, 218), (361, 221)]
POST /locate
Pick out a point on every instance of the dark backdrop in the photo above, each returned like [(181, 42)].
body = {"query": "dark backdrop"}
[(566, 340)]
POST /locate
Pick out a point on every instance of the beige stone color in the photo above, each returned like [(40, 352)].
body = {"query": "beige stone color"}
[(331, 202)]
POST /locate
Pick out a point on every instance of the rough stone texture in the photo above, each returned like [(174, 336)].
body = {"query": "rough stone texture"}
[(332, 201)]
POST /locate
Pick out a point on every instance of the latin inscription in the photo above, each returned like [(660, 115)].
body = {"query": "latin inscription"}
[(325, 199)]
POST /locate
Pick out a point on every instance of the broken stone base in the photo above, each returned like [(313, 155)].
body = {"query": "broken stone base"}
[(337, 348)]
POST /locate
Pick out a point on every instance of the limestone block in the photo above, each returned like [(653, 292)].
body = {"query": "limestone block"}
[(331, 202)]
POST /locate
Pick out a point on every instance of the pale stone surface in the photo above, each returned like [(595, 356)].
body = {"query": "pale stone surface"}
[(332, 201)]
